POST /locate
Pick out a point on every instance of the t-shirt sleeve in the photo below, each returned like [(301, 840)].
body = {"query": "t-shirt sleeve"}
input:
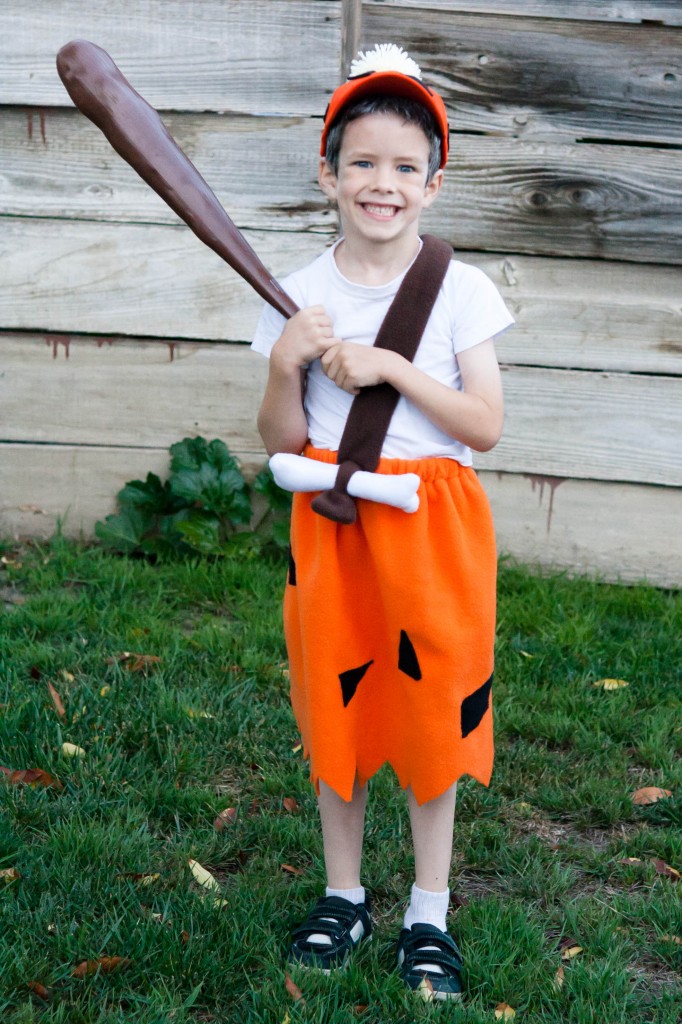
[(479, 309), (268, 330)]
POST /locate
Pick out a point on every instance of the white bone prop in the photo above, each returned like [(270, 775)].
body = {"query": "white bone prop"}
[(296, 473)]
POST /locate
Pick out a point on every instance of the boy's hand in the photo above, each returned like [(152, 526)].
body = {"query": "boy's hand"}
[(306, 336), (352, 366)]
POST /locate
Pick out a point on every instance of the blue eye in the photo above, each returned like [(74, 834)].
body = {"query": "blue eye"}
[(406, 168), (362, 163)]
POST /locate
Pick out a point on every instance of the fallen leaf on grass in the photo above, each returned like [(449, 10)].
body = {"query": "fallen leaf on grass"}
[(630, 860), (57, 701), (184, 935), (292, 870), (39, 990), (290, 804), (611, 684), (144, 878), (194, 713), (558, 979), (297, 749), (425, 989), (68, 676), (31, 777), (503, 1011), (672, 938), (292, 988), (650, 795), (105, 964), (9, 875), (664, 869), (134, 662), (226, 817), (203, 877), (570, 952), (71, 750)]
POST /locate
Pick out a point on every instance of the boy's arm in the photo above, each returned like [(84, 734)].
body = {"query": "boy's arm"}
[(473, 416), (281, 418)]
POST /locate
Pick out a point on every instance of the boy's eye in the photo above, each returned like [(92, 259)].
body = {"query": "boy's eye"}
[(362, 163), (406, 168)]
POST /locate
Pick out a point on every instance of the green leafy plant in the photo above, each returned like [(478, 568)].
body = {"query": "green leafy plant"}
[(203, 507)]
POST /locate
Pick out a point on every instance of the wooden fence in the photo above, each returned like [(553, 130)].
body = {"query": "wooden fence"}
[(120, 333)]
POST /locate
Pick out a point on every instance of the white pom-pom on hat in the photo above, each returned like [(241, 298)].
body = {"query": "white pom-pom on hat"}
[(385, 57), (386, 70)]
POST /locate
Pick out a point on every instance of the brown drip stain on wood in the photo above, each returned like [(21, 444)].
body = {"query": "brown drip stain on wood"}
[(540, 481), (55, 340), (29, 126)]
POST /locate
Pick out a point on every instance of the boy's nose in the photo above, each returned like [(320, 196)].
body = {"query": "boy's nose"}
[(383, 180)]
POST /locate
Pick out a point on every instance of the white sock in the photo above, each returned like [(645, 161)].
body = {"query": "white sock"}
[(428, 908), (352, 895)]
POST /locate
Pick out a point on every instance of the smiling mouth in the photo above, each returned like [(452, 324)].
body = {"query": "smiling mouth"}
[(380, 211)]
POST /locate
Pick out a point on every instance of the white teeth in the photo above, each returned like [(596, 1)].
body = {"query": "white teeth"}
[(380, 211)]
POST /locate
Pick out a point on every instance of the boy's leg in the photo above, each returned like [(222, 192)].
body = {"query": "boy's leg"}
[(340, 919), (342, 834), (424, 947), (432, 830)]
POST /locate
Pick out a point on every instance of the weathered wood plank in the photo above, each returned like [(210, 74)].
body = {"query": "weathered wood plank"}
[(623, 532), (617, 532), (161, 282), (351, 19), (264, 170), (133, 279), (548, 77), (43, 486), (594, 201), (586, 200), (134, 394), (584, 315), (559, 422), (621, 427), (669, 12), (246, 55)]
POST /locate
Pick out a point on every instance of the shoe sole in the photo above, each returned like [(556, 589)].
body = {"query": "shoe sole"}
[(330, 970)]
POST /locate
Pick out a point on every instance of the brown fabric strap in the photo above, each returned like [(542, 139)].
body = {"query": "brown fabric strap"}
[(370, 414)]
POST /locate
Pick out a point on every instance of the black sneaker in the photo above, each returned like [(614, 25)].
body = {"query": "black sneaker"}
[(343, 923), (429, 962)]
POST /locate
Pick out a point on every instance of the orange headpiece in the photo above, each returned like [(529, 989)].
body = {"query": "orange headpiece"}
[(387, 70)]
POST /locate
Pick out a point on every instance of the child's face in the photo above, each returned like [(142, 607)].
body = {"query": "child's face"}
[(381, 186)]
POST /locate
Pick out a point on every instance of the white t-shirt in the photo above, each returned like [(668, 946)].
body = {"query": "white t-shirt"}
[(469, 309)]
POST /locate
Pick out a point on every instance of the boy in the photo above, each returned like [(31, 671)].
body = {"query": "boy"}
[(389, 619)]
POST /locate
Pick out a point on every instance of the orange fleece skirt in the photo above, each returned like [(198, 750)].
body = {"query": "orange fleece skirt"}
[(389, 624)]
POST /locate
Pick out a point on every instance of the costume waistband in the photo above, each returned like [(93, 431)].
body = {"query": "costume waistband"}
[(429, 468)]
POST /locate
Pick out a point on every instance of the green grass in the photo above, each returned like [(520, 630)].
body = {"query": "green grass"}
[(538, 855)]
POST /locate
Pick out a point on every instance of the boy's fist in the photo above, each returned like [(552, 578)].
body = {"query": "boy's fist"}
[(352, 366), (307, 335)]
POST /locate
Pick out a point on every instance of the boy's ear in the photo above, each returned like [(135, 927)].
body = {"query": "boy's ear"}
[(433, 187), (327, 179)]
